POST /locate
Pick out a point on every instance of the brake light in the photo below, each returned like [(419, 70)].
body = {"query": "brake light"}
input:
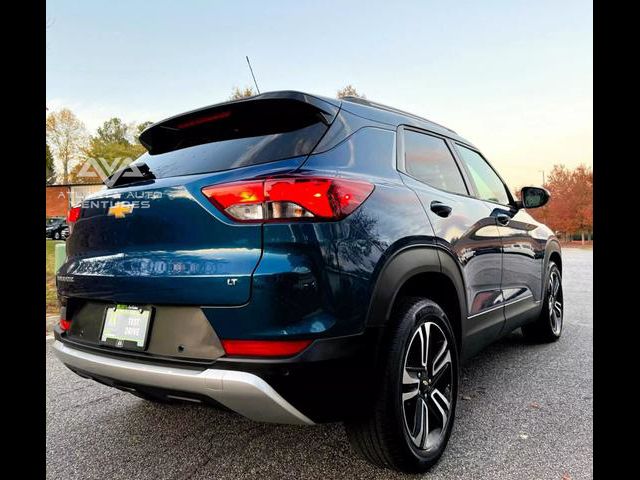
[(73, 215), (264, 348), (65, 324), (206, 119), (289, 198)]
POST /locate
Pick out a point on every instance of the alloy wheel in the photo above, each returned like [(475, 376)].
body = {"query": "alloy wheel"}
[(555, 304), (427, 385)]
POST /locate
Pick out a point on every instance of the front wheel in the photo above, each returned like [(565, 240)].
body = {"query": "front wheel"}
[(409, 425), (548, 326)]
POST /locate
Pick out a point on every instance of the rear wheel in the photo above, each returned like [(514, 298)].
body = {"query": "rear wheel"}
[(548, 326), (409, 425)]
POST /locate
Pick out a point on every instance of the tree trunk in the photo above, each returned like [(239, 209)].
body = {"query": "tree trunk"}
[(65, 171), (582, 236)]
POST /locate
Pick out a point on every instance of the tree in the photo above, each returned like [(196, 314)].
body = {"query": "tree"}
[(558, 213), (570, 209), (67, 135), (113, 130), (114, 147), (50, 174), (582, 199), (349, 91), (141, 127), (238, 93)]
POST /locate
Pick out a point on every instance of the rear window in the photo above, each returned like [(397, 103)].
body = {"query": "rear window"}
[(240, 135)]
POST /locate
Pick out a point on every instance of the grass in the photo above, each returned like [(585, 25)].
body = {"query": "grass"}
[(52, 298)]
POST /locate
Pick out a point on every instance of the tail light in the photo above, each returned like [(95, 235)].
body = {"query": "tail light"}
[(64, 323), (264, 348), (72, 217), (289, 198)]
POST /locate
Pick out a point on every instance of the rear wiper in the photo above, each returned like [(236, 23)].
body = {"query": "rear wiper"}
[(133, 173)]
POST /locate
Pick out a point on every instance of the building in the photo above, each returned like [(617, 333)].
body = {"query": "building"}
[(57, 201), (61, 197)]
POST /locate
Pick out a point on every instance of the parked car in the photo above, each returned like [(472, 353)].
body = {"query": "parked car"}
[(57, 228), (300, 259)]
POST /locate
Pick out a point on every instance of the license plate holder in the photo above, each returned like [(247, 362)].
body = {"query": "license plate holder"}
[(126, 326)]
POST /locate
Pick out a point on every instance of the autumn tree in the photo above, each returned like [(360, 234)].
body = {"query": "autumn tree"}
[(239, 93), (349, 91), (50, 174), (67, 136), (582, 198), (570, 209)]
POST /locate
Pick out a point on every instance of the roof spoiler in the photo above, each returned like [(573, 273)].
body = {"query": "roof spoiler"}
[(159, 137)]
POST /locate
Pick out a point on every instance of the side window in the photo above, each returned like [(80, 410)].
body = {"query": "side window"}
[(489, 185), (429, 160)]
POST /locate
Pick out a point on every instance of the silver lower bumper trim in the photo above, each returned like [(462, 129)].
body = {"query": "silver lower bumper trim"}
[(242, 392)]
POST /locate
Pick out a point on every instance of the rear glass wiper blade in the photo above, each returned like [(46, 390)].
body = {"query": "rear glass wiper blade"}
[(134, 173)]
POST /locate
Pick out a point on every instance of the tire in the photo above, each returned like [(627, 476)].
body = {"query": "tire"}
[(56, 236), (387, 435), (548, 326)]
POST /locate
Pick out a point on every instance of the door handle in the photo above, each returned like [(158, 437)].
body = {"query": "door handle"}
[(503, 219), (440, 209)]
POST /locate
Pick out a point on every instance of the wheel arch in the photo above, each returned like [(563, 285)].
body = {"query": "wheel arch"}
[(424, 270), (553, 251)]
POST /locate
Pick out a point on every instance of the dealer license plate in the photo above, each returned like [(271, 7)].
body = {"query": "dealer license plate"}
[(126, 326)]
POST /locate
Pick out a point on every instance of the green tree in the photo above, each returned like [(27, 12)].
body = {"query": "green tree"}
[(114, 146), (67, 136), (113, 130), (239, 93), (349, 91), (50, 174), (141, 127)]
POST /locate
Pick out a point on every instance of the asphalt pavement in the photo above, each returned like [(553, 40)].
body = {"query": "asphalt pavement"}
[(524, 412)]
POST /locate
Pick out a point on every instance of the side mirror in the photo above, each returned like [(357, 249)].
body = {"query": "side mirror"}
[(534, 197)]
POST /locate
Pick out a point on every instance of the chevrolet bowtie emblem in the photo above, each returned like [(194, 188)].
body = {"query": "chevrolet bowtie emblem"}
[(120, 210)]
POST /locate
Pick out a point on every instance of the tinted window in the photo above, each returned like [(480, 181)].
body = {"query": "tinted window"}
[(488, 184), (238, 136), (428, 159)]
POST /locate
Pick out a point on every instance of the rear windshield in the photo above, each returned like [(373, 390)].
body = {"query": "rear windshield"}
[(241, 135)]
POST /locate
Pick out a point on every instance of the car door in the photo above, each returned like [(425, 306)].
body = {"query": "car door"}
[(463, 226), (523, 254)]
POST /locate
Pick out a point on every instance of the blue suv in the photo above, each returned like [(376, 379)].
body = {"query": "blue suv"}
[(300, 259)]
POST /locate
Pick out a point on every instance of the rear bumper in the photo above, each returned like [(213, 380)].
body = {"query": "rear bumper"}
[(242, 392)]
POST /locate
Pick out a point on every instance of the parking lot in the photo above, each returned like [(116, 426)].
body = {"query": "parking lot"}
[(525, 411)]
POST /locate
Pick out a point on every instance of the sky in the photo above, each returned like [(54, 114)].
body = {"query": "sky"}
[(513, 77)]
